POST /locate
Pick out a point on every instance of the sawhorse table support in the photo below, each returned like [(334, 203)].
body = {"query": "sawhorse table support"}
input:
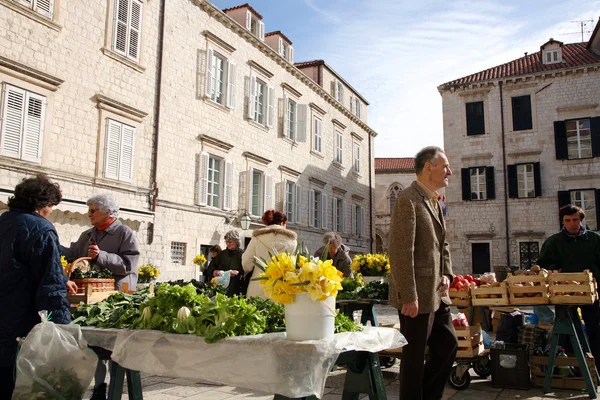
[(117, 378), (486, 323), (368, 311), (567, 324)]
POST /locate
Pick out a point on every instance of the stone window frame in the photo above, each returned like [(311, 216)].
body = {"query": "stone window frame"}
[(49, 19), (110, 32)]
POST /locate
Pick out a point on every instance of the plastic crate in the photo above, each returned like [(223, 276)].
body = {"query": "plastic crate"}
[(512, 378)]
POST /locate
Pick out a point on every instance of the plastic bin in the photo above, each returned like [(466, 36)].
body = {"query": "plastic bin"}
[(510, 367)]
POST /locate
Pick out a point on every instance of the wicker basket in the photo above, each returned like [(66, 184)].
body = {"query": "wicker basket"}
[(98, 284)]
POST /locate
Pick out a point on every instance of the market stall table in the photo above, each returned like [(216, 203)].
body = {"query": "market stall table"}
[(268, 363)]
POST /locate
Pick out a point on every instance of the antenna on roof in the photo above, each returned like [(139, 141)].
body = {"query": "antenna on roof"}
[(582, 24)]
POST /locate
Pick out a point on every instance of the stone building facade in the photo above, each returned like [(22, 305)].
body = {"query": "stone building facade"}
[(193, 117), (522, 139), (392, 175)]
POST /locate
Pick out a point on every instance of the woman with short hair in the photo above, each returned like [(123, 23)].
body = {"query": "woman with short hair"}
[(229, 259), (31, 274), (272, 238), (336, 251)]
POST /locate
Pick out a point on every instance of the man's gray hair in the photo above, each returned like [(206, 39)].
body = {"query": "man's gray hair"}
[(233, 235), (105, 203), (333, 238), (428, 154)]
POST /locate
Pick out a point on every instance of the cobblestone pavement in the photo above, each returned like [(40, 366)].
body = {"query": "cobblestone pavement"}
[(162, 388)]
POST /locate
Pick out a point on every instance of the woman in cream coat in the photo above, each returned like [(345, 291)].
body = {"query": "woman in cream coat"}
[(272, 238)]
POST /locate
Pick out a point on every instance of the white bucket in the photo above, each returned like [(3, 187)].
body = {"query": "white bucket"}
[(306, 319)]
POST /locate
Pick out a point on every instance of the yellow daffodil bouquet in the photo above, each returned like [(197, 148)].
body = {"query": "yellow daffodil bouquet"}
[(371, 264), (147, 273), (200, 261), (285, 275), (64, 263)]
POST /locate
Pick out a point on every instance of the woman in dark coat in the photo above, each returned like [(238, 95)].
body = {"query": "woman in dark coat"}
[(31, 274), (230, 259)]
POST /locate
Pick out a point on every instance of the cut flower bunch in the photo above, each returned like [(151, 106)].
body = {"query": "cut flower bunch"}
[(371, 264), (286, 275), (200, 260), (147, 273)]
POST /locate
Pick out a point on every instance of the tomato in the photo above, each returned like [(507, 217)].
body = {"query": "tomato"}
[(459, 285), (469, 278)]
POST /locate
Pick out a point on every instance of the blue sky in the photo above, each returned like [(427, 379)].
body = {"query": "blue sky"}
[(396, 52)]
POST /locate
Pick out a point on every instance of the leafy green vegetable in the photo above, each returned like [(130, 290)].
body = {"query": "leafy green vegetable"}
[(375, 290), (116, 311), (273, 312), (92, 273), (345, 324), (65, 385), (207, 289)]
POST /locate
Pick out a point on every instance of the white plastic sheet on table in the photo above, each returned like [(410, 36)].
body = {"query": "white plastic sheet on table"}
[(268, 363)]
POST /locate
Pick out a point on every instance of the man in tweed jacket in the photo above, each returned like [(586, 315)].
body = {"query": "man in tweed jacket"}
[(420, 276)]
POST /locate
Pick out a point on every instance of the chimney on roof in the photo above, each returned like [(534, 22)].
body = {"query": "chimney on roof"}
[(525, 54)]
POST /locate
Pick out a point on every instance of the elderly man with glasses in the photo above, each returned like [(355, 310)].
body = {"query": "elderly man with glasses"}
[(229, 259)]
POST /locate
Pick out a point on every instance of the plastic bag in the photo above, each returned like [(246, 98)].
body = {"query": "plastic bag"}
[(54, 363), (544, 314), (460, 320), (223, 279)]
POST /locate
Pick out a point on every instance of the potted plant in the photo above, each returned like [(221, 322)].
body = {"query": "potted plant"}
[(306, 287), (147, 274), (372, 266)]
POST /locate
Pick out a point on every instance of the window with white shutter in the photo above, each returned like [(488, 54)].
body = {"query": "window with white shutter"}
[(324, 212), (291, 201), (220, 78), (356, 157), (339, 147), (22, 124), (42, 7), (127, 33), (338, 215), (118, 151), (317, 209), (316, 136), (358, 220), (228, 193)]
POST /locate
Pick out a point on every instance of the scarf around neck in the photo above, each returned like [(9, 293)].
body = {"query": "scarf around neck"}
[(105, 224)]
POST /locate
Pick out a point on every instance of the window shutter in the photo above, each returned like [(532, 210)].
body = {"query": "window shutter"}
[(285, 101), (25, 2), (203, 179), (301, 122), (291, 54), (324, 209), (353, 219), (248, 20), (537, 176), (334, 212), (209, 61), (521, 113), (513, 182), (475, 118), (466, 184), (126, 155), (280, 42), (121, 22), (249, 191), (279, 204), (283, 197), (341, 94), (598, 209), (252, 97), (311, 208), (358, 108), (344, 218), (333, 89), (490, 183), (135, 29), (362, 222), (298, 203), (228, 192), (12, 123), (231, 84), (261, 30), (271, 107), (111, 152), (268, 203), (352, 104), (595, 130), (45, 7), (560, 140)]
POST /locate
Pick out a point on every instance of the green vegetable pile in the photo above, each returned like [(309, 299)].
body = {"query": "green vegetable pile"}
[(180, 309), (349, 290), (375, 290), (92, 273), (208, 289), (65, 385)]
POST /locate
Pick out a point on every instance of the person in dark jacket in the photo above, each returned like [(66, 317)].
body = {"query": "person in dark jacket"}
[(214, 252), (31, 275), (337, 252), (230, 259)]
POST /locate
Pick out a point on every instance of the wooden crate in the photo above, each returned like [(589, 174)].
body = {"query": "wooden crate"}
[(461, 298), (586, 291), (539, 364), (479, 296), (470, 341), (89, 296), (539, 289)]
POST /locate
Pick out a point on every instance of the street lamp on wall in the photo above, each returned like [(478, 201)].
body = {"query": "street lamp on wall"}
[(245, 221), (359, 241)]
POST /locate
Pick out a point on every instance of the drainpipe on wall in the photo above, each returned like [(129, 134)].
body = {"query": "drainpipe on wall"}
[(505, 176), (370, 198), (157, 98)]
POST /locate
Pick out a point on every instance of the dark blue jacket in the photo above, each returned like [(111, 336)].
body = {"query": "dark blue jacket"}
[(31, 278)]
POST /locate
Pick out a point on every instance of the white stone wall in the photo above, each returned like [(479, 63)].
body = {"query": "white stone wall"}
[(553, 99)]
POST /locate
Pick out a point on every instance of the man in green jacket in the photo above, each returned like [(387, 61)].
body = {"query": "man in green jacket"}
[(575, 249)]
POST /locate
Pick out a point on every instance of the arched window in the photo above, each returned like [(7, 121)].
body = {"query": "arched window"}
[(394, 190)]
